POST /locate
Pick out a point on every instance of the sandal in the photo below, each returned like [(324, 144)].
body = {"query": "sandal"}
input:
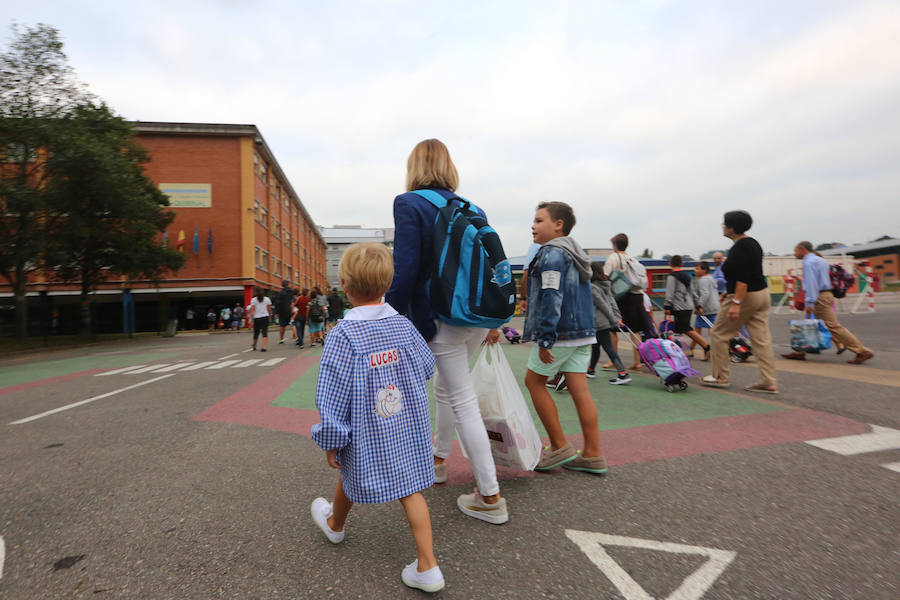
[(636, 367), (760, 389), (711, 381)]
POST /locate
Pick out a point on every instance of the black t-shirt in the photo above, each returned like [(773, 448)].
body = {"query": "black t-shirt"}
[(744, 264), (283, 301)]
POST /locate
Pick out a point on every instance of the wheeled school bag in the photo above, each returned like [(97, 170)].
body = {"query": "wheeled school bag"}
[(665, 359), (472, 284)]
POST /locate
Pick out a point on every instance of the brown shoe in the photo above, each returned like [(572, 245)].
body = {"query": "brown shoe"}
[(795, 356), (861, 357)]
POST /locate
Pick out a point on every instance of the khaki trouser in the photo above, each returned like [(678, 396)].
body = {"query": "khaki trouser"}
[(755, 316), (824, 310)]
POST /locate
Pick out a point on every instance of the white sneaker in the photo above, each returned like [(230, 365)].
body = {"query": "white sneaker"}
[(474, 506), (440, 473), (621, 379), (321, 510), (428, 581)]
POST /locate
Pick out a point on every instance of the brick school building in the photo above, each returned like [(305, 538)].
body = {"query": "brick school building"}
[(238, 220)]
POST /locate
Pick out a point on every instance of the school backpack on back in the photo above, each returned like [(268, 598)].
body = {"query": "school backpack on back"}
[(632, 277), (472, 284), (316, 313), (841, 280)]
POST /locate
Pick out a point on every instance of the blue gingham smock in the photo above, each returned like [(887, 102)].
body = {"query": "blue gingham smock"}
[(384, 446)]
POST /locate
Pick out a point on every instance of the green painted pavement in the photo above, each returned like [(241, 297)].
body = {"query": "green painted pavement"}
[(27, 373), (644, 401)]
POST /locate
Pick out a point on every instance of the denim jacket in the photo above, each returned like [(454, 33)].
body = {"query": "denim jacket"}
[(560, 306)]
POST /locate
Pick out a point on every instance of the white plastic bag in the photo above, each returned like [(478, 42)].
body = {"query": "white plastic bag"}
[(514, 438)]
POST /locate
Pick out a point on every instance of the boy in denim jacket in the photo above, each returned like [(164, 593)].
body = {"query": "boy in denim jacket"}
[(560, 319)]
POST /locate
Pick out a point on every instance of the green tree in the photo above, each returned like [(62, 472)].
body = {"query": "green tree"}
[(111, 214), (37, 90), (647, 253)]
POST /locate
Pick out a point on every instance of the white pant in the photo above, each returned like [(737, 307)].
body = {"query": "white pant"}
[(457, 404)]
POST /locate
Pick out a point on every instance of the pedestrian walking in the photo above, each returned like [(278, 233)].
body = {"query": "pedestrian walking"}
[(211, 317), (819, 302), (679, 303), (430, 166), (746, 302), (372, 397), (260, 310), (189, 318), (631, 305), (335, 307), (300, 304), (606, 319), (718, 275), (237, 314), (560, 319), (706, 299), (284, 301), (315, 319)]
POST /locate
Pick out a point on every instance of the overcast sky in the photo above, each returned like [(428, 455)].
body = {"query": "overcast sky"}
[(651, 117)]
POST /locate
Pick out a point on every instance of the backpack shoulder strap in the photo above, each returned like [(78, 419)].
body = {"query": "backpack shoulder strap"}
[(432, 196)]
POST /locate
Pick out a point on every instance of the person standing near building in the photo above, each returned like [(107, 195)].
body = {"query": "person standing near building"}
[(189, 318), (237, 314), (747, 302), (820, 303), (260, 309), (430, 166)]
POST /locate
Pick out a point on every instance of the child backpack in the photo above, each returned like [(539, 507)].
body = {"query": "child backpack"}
[(841, 280), (472, 284), (316, 313), (632, 277)]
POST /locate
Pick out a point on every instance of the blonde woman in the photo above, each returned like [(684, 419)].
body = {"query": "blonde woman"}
[(430, 167)]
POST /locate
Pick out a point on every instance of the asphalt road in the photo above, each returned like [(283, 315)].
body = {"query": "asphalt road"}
[(193, 486)]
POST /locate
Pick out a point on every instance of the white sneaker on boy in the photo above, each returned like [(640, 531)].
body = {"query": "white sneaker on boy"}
[(321, 510), (428, 581)]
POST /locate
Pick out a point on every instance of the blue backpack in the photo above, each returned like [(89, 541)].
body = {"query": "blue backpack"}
[(472, 284)]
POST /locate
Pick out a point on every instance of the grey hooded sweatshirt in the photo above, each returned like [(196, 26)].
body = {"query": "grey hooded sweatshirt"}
[(579, 257)]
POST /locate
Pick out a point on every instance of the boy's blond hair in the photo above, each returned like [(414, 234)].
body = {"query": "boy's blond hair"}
[(429, 165), (366, 270)]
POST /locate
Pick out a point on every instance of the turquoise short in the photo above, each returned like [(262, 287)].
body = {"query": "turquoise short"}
[(571, 359)]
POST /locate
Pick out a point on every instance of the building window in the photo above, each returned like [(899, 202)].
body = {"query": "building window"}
[(264, 218), (264, 173), (255, 163), (296, 246), (287, 238), (659, 281), (256, 211), (257, 256), (272, 264), (888, 261), (278, 267), (276, 229), (273, 222), (265, 261)]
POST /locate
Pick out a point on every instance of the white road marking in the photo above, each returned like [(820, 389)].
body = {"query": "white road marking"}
[(892, 466), (271, 361), (117, 371), (692, 588), (150, 368), (229, 356), (2, 555), (880, 438), (174, 367), (224, 364), (74, 404), (248, 350), (199, 365), (246, 363)]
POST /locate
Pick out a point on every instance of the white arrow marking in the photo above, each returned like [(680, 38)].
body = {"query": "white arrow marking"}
[(227, 357), (79, 403), (880, 438), (692, 588)]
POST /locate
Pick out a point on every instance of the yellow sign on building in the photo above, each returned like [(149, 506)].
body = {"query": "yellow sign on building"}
[(188, 195)]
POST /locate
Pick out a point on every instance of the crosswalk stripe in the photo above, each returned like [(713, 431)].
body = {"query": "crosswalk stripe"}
[(174, 367), (892, 466), (879, 439), (199, 365), (223, 364), (150, 368), (270, 362), (246, 363), (117, 371)]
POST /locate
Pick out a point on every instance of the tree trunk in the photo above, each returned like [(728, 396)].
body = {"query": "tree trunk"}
[(21, 310), (86, 328)]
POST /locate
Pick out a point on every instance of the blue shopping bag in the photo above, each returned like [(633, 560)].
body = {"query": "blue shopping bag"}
[(809, 335)]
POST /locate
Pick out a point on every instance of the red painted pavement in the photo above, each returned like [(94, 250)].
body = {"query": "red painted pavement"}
[(251, 406), (40, 382)]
